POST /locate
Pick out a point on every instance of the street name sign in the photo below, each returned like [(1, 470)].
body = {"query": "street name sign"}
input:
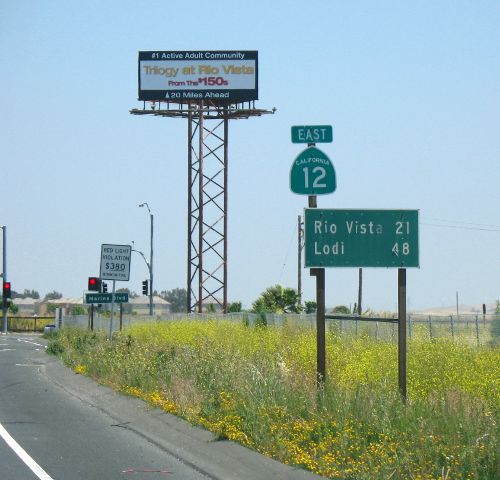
[(361, 238), (312, 134), (121, 297), (115, 262), (312, 173)]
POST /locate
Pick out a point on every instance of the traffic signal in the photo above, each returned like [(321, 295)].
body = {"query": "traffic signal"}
[(104, 287), (6, 292), (94, 284), (145, 288)]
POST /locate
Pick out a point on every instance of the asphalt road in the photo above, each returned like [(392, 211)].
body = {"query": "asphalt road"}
[(57, 425)]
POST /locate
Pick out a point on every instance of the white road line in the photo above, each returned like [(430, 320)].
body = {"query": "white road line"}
[(7, 349), (33, 343), (21, 453)]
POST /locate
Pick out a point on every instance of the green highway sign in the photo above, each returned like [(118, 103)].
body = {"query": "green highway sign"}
[(106, 298), (361, 238), (312, 173), (312, 134)]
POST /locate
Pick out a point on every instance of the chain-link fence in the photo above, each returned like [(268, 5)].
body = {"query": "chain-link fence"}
[(471, 328)]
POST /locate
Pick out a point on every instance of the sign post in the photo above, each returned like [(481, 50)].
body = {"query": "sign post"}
[(366, 238), (312, 173), (115, 265), (402, 332)]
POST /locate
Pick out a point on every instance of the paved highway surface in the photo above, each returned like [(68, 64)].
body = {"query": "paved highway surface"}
[(57, 425)]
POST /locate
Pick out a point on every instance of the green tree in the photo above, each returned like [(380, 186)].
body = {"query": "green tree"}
[(311, 306), (341, 310), (234, 307), (126, 290), (277, 299), (32, 293), (177, 299), (51, 308), (13, 308), (78, 310), (26, 294), (53, 295)]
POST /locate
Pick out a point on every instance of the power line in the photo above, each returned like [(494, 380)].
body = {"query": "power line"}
[(461, 227), (461, 222)]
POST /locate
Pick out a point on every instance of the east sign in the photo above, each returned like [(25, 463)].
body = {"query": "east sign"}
[(312, 134), (312, 173)]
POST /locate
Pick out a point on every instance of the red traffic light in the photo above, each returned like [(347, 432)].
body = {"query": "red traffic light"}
[(94, 284), (7, 293)]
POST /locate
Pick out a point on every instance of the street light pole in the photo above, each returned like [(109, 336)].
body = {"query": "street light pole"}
[(150, 266)]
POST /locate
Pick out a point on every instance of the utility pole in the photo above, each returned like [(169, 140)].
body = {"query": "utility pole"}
[(4, 279), (299, 259)]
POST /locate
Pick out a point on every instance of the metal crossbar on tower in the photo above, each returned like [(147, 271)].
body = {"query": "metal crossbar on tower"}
[(208, 126)]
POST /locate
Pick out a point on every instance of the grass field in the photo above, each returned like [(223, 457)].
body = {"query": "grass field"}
[(256, 386)]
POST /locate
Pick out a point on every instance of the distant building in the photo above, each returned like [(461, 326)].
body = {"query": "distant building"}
[(27, 307), (211, 305), (66, 304), (140, 305)]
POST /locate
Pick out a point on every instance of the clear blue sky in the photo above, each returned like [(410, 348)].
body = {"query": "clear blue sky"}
[(412, 90)]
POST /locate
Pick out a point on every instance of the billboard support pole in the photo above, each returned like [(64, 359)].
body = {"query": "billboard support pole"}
[(201, 205), (190, 210), (226, 160)]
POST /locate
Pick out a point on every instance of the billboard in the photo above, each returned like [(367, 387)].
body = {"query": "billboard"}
[(226, 76)]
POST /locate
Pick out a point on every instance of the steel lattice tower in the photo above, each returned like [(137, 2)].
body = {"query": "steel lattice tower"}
[(208, 126)]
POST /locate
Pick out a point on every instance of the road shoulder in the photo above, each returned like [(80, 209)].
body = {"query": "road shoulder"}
[(194, 446)]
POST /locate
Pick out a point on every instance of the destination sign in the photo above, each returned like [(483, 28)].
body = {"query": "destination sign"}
[(361, 238)]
